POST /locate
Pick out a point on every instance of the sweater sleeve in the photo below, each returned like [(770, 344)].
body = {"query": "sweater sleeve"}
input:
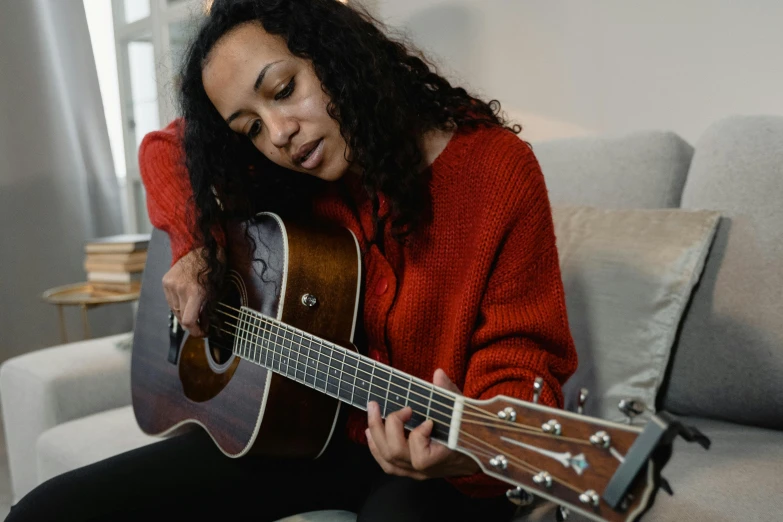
[(522, 328), (170, 203)]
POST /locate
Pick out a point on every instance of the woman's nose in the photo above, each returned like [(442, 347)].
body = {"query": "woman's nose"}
[(281, 129)]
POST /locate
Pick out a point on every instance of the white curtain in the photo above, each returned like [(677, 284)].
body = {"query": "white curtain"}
[(57, 183)]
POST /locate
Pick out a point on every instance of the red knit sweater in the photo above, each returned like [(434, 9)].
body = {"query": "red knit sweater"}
[(476, 291)]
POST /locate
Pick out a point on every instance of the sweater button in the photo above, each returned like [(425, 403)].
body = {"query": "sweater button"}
[(381, 286)]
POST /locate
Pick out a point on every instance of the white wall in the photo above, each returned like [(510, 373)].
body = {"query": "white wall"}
[(566, 68)]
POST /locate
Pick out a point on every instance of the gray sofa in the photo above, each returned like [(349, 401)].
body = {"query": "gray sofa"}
[(68, 406)]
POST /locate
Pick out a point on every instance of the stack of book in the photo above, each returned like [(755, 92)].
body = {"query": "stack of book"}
[(116, 263)]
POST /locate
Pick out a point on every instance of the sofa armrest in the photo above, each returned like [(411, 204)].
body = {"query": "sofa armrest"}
[(47, 387)]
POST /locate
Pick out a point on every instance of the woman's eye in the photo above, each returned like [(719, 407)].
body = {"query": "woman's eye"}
[(287, 90), (254, 130)]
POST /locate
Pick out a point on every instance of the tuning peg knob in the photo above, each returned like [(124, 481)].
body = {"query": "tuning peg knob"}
[(538, 384), (499, 462), (562, 513), (601, 439), (581, 400), (520, 497), (508, 414), (631, 408), (542, 478), (552, 427), (590, 497)]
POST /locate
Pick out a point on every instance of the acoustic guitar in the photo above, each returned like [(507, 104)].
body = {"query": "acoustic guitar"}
[(278, 364)]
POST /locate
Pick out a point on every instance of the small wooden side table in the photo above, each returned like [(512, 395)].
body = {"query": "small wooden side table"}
[(85, 296)]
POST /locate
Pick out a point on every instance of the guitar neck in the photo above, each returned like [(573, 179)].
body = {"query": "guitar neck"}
[(341, 373)]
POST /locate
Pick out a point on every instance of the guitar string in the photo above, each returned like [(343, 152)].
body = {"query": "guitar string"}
[(482, 413), (533, 430), (355, 359), (344, 353), (389, 400), (497, 424)]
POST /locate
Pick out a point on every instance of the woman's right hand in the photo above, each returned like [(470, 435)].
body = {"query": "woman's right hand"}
[(184, 293)]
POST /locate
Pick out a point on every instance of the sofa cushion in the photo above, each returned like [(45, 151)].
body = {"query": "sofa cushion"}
[(627, 276), (729, 359), (88, 440), (47, 387), (640, 170), (739, 478)]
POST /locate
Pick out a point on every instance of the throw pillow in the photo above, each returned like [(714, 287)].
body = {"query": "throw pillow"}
[(628, 275)]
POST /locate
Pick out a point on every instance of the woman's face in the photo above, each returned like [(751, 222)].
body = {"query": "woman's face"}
[(275, 99)]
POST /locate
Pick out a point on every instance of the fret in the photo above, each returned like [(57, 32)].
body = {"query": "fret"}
[(269, 345), (333, 376), (377, 392), (248, 337), (398, 391), (287, 342), (322, 375), (269, 351), (343, 391), (362, 383), (418, 394), (350, 367), (249, 333), (243, 334), (442, 408), (285, 353), (342, 370), (386, 397), (257, 348), (310, 360)]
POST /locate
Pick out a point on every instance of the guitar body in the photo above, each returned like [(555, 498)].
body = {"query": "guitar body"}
[(179, 382)]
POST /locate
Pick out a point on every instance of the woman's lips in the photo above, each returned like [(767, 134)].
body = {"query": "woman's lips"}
[(315, 157)]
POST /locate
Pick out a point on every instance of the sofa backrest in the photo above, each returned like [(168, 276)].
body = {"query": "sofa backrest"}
[(728, 359), (641, 170)]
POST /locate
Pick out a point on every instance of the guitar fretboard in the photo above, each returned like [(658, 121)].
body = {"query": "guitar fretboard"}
[(345, 375)]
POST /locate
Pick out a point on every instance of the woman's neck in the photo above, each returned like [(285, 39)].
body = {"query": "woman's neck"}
[(432, 143)]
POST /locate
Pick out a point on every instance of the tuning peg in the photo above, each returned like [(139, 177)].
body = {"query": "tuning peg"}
[(631, 408), (537, 385), (561, 514), (581, 400), (520, 497)]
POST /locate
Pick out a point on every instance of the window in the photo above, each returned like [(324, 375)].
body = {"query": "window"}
[(148, 39)]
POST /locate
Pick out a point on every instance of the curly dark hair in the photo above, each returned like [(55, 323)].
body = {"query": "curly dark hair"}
[(382, 93)]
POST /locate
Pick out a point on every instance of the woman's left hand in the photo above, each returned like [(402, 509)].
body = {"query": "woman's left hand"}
[(418, 456)]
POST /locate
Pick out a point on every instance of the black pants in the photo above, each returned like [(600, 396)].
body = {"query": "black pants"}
[(188, 478)]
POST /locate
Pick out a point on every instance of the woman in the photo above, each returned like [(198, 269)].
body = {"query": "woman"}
[(305, 107)]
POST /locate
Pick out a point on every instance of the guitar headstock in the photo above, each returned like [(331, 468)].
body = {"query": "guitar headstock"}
[(603, 470)]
